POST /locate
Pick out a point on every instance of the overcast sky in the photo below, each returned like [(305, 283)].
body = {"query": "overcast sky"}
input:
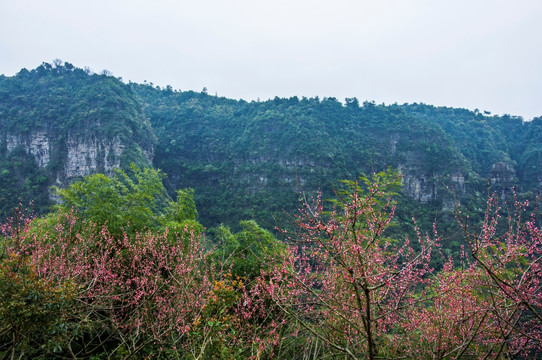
[(484, 54)]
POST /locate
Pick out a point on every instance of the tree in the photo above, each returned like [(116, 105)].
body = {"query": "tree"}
[(454, 321), (57, 63), (344, 282), (511, 263), (249, 251), (129, 202), (32, 309), (352, 102), (488, 305), (80, 292), (184, 209)]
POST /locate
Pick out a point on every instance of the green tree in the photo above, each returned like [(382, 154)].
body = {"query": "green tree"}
[(181, 216), (129, 202), (248, 251)]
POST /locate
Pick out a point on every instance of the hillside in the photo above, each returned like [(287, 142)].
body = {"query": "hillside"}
[(59, 123), (249, 159)]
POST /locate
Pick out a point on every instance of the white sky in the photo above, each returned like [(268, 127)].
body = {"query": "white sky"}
[(484, 54)]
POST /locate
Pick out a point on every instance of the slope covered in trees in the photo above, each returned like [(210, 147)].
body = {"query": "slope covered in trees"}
[(60, 123), (255, 153), (250, 160)]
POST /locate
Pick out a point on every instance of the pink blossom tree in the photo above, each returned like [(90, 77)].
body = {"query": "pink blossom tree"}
[(455, 320), (132, 293), (509, 255), (345, 283), (124, 297)]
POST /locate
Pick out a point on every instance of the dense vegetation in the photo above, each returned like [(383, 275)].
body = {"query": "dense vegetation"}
[(260, 155), (65, 106), (70, 99), (75, 285), (251, 160)]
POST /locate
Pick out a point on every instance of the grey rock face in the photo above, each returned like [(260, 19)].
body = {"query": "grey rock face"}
[(36, 144), (82, 155)]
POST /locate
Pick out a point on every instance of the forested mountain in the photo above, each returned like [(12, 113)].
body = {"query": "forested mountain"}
[(249, 159), (132, 264), (59, 123)]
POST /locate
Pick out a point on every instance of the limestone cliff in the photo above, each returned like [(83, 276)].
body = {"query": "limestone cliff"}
[(79, 155)]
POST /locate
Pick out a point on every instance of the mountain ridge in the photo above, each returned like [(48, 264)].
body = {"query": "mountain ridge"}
[(249, 159)]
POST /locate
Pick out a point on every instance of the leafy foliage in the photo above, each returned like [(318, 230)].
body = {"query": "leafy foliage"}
[(339, 287), (130, 202), (345, 282), (260, 155), (22, 181), (121, 270), (247, 252), (34, 311)]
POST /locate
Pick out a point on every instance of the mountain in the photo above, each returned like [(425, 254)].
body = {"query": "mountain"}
[(250, 159), (59, 123)]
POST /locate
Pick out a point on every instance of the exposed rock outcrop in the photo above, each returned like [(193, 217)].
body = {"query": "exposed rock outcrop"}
[(80, 155), (88, 155), (502, 174), (503, 179), (36, 144)]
